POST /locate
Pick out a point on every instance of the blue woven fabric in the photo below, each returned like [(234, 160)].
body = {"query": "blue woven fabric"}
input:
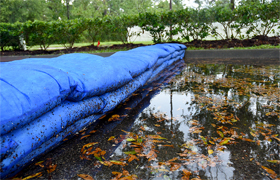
[(43, 100)]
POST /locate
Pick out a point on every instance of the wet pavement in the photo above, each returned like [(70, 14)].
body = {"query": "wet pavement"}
[(210, 121)]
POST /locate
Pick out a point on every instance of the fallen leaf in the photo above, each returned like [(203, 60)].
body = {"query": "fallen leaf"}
[(274, 161), (130, 152), (85, 176), (132, 157), (224, 141), (93, 131), (220, 133), (248, 140), (51, 168), (210, 151), (114, 117), (167, 145), (32, 176), (111, 138), (84, 136), (253, 134), (118, 162), (174, 159), (270, 171)]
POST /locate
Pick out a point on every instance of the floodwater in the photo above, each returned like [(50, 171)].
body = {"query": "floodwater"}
[(210, 121)]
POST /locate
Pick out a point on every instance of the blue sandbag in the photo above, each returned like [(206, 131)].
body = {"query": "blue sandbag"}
[(97, 84), (28, 95), (166, 47), (132, 65), (48, 125), (139, 55), (114, 98), (92, 76)]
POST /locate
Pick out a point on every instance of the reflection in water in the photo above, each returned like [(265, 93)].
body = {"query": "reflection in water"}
[(209, 122), (222, 120)]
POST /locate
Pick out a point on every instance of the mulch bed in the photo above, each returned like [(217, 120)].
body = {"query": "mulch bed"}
[(217, 44)]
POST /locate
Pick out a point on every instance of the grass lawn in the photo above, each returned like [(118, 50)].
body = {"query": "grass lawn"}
[(109, 43)]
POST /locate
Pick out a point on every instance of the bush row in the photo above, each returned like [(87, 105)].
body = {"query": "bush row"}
[(242, 22)]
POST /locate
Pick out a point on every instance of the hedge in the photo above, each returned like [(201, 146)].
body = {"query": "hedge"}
[(245, 21)]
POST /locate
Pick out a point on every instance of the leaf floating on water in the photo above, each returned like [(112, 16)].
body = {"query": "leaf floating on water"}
[(248, 140), (210, 151), (254, 135), (167, 145), (130, 139), (85, 176), (274, 161), (111, 138), (204, 140), (224, 141), (130, 152), (132, 157), (118, 162), (270, 171), (94, 131), (220, 133), (142, 128)]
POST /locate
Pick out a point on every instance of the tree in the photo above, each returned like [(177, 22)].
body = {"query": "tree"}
[(88, 8), (20, 11)]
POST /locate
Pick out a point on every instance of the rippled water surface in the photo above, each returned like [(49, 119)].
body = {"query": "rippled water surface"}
[(210, 121)]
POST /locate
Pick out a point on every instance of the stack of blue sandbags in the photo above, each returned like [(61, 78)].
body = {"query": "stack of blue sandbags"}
[(44, 100)]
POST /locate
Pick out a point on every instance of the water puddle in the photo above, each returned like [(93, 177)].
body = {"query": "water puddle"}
[(210, 121)]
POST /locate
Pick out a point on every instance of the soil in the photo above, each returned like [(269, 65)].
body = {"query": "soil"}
[(216, 44)]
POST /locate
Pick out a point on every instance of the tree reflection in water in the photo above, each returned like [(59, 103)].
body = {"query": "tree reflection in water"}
[(219, 121)]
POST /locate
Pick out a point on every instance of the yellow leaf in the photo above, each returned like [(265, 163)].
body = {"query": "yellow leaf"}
[(253, 134), (32, 176), (118, 162), (157, 125), (274, 161), (210, 151), (220, 133), (111, 138), (224, 141), (85, 176)]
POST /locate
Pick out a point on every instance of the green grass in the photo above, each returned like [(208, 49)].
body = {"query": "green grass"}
[(264, 46), (107, 43)]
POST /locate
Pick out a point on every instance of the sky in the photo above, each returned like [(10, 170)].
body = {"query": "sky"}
[(190, 3)]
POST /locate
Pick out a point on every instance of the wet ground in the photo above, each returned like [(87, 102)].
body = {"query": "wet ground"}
[(210, 121)]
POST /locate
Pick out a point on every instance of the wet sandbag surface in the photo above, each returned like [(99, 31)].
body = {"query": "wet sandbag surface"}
[(45, 100)]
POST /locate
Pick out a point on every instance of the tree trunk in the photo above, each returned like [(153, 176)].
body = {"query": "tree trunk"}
[(170, 8), (232, 4), (67, 6)]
